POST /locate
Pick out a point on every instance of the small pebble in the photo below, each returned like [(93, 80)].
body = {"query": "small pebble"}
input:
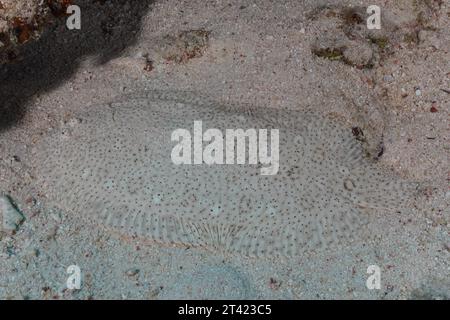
[(433, 107)]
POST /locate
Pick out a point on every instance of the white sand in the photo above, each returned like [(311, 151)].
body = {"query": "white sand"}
[(258, 53)]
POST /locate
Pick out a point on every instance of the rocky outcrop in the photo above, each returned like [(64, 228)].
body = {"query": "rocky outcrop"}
[(22, 21)]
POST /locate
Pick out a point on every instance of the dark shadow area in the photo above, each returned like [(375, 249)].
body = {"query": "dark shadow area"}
[(107, 28)]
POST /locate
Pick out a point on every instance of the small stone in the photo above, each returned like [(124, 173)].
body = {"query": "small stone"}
[(388, 78), (132, 272), (434, 107), (73, 122), (358, 54), (418, 92), (423, 35), (11, 217), (274, 284), (140, 55), (404, 93), (148, 66)]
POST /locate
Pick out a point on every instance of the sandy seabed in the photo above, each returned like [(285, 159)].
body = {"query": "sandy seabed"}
[(393, 84)]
